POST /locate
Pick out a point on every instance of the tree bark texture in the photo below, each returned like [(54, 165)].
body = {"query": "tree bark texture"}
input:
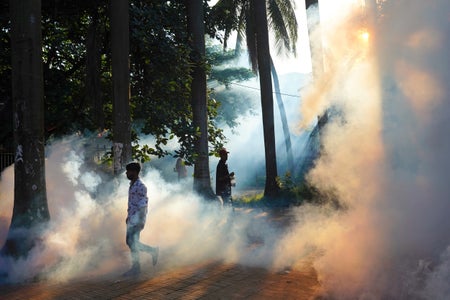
[(315, 38), (120, 48), (284, 122), (30, 212), (196, 29), (262, 36)]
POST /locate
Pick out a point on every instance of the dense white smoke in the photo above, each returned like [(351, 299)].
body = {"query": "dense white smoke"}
[(86, 236), (385, 154)]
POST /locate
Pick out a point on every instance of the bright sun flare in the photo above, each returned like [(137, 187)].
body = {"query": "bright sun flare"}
[(364, 35)]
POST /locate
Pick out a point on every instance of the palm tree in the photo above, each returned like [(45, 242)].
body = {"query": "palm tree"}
[(30, 212), (284, 24), (265, 80), (196, 30), (120, 48), (314, 26), (239, 16), (284, 122)]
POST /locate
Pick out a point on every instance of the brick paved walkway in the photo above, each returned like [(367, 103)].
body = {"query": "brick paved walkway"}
[(212, 280), (207, 280)]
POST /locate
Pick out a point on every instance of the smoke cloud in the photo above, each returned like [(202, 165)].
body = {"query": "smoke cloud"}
[(384, 154), (86, 235)]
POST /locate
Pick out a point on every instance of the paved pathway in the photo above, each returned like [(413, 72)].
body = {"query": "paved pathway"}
[(206, 280), (211, 280)]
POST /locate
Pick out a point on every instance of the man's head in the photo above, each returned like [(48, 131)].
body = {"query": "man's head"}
[(133, 170), (223, 153)]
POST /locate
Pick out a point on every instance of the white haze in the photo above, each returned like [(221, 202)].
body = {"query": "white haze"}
[(386, 157), (246, 142), (86, 236)]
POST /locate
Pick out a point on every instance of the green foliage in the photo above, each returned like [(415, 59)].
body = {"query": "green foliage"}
[(161, 68), (299, 192), (292, 193), (251, 198), (230, 103), (223, 66), (283, 23), (224, 18), (215, 134), (160, 73), (227, 75), (238, 15), (64, 31), (217, 56)]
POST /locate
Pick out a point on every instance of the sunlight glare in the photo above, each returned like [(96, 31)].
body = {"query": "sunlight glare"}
[(364, 35)]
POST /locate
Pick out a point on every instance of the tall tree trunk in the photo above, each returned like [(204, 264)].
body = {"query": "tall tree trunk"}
[(238, 46), (239, 38), (265, 81), (315, 38), (30, 212), (93, 65), (196, 29), (284, 122), (120, 43)]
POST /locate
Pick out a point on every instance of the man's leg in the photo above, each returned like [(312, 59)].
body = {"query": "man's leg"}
[(154, 251), (133, 243), (227, 200)]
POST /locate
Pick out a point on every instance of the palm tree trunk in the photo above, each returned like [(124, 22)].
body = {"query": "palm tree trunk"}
[(30, 212), (196, 29), (284, 122), (238, 46), (120, 44), (239, 38), (315, 38), (262, 36)]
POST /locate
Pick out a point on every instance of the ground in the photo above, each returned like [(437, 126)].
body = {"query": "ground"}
[(208, 280)]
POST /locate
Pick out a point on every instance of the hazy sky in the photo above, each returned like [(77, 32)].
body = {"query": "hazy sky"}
[(302, 62)]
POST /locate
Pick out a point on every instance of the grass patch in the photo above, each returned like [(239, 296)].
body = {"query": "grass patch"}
[(260, 201), (292, 193), (251, 198)]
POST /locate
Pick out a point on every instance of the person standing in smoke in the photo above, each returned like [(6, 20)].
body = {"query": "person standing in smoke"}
[(137, 213), (224, 178), (180, 168)]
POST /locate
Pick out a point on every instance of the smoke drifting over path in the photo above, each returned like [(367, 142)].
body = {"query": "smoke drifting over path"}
[(385, 154), (86, 237)]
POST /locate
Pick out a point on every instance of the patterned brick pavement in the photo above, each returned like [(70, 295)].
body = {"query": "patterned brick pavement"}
[(207, 280), (211, 280)]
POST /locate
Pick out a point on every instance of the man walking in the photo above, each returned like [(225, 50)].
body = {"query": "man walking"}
[(223, 178), (137, 213)]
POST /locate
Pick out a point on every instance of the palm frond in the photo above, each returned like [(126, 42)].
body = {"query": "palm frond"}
[(250, 34), (287, 8), (241, 21), (283, 22), (240, 29), (276, 23)]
